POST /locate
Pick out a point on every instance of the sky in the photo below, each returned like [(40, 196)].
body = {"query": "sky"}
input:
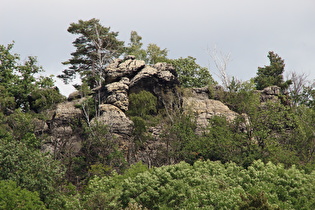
[(244, 29)]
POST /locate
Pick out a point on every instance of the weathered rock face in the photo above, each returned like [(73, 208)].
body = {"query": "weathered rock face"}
[(269, 93), (123, 77), (74, 95), (205, 109), (272, 93), (154, 79), (117, 94), (118, 123), (62, 137), (67, 110), (123, 68)]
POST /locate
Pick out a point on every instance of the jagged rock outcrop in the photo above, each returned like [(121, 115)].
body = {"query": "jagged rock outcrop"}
[(123, 77), (116, 120), (61, 136), (74, 95), (154, 79), (66, 111), (117, 94), (271, 93), (205, 109), (123, 68)]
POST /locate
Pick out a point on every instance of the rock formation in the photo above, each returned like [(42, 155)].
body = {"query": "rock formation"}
[(123, 77), (271, 93), (203, 108), (116, 120), (117, 94)]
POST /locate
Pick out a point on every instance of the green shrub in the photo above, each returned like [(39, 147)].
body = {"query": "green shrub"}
[(14, 197), (142, 104), (207, 185)]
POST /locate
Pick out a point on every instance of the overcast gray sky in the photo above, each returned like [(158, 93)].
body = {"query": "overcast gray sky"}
[(247, 29)]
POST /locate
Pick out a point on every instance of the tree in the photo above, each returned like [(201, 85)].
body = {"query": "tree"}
[(205, 185), (18, 80), (96, 47), (29, 168), (299, 81), (135, 46), (155, 54), (272, 74), (14, 197), (190, 74), (152, 55), (221, 62)]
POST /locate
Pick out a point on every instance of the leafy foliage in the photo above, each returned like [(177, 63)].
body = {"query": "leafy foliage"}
[(135, 46), (14, 197), (208, 184), (29, 168), (18, 81), (151, 55), (190, 74), (142, 104), (45, 98)]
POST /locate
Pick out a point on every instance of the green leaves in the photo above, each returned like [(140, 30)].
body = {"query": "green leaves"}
[(209, 185), (14, 197), (17, 80), (142, 104), (29, 168), (152, 55), (190, 74)]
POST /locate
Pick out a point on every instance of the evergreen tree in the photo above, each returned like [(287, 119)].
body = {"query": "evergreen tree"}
[(272, 74), (96, 47)]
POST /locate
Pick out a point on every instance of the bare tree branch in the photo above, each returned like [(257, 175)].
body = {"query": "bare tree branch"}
[(221, 62)]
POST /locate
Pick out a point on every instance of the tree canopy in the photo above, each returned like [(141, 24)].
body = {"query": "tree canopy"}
[(18, 81), (190, 74), (151, 55)]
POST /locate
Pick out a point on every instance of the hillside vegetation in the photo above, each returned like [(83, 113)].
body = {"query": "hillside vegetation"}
[(144, 131)]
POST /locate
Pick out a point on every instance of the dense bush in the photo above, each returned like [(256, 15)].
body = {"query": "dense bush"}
[(206, 185), (14, 197), (142, 104)]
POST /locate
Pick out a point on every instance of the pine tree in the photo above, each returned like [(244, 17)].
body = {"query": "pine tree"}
[(272, 74), (96, 47)]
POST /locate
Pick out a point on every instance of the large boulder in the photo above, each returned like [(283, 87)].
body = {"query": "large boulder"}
[(66, 111), (155, 78), (116, 120), (123, 68), (61, 136), (205, 109), (273, 93), (160, 80), (117, 94)]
